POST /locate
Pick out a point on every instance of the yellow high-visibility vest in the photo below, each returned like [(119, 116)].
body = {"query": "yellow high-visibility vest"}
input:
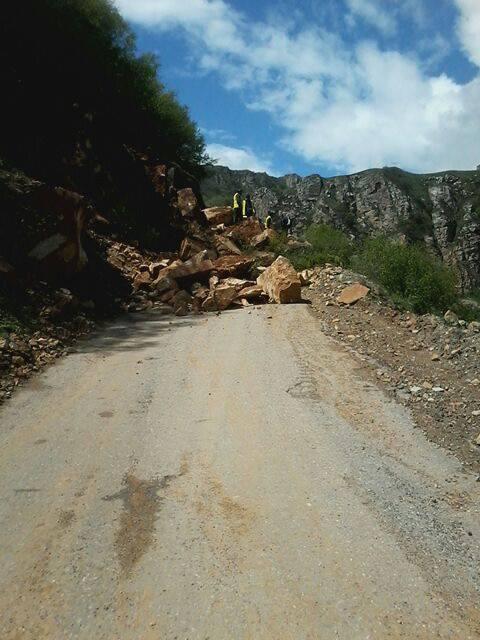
[(244, 208), (268, 222), (236, 203)]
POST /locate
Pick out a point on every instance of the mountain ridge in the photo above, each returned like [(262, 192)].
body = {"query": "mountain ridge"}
[(441, 210)]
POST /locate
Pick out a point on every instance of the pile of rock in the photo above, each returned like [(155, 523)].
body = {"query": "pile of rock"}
[(218, 266)]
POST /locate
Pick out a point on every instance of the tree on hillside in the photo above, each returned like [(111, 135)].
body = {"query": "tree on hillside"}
[(75, 94)]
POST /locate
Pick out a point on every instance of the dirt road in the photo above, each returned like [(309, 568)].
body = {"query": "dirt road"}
[(229, 477)]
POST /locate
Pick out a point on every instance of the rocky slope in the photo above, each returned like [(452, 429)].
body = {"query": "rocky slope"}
[(442, 210)]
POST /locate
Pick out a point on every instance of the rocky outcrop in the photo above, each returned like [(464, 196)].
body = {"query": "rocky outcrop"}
[(441, 210)]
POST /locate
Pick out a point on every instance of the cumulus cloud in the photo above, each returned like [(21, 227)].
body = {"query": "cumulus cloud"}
[(372, 12), (237, 158), (469, 28), (347, 107)]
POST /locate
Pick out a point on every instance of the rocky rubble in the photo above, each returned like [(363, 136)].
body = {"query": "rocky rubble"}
[(216, 267), (426, 362)]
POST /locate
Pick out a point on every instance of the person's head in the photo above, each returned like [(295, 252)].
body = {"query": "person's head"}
[(248, 196)]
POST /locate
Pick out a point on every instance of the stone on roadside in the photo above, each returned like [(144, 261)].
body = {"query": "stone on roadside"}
[(305, 277), (181, 301), (142, 280), (450, 317), (281, 282), (353, 293)]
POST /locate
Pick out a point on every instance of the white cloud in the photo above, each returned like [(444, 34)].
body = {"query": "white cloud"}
[(469, 28), (350, 108), (236, 158), (373, 12)]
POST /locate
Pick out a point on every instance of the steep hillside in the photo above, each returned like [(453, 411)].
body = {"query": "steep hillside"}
[(442, 209)]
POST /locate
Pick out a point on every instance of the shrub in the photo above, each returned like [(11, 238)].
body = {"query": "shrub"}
[(414, 278), (326, 245)]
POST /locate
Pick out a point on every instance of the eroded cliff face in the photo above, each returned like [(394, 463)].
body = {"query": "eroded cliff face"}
[(442, 210)]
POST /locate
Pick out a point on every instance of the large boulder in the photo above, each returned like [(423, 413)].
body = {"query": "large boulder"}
[(196, 268), (220, 298), (281, 282), (263, 238), (246, 230), (218, 215), (232, 266)]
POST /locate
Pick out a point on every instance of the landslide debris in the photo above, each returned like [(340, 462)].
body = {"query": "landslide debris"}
[(71, 275)]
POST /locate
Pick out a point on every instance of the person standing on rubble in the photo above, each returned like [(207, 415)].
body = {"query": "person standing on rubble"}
[(268, 221), (237, 200), (248, 208)]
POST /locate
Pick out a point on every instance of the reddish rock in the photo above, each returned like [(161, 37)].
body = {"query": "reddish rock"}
[(190, 247), (226, 246), (220, 298), (281, 282), (353, 293), (142, 280), (246, 231), (262, 239), (218, 215), (235, 266), (196, 268), (253, 292), (155, 267)]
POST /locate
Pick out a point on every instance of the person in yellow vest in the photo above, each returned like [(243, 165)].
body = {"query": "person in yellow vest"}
[(268, 222), (237, 201)]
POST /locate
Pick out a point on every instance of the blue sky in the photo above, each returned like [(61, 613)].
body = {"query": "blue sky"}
[(322, 86)]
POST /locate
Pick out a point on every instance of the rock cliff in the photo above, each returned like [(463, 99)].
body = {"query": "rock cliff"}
[(442, 210)]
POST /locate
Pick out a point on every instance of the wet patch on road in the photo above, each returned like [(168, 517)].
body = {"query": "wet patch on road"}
[(40, 441), (106, 414), (141, 504)]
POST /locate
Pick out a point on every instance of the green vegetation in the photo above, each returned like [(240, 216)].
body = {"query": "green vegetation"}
[(326, 245), (412, 277), (415, 279), (77, 98)]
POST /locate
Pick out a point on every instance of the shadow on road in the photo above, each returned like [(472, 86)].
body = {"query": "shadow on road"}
[(135, 331)]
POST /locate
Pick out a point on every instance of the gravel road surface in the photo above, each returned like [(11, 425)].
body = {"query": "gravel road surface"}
[(228, 477)]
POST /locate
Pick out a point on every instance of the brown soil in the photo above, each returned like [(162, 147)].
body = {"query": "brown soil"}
[(425, 363)]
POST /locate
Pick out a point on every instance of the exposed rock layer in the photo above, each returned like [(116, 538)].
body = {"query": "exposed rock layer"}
[(442, 210)]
